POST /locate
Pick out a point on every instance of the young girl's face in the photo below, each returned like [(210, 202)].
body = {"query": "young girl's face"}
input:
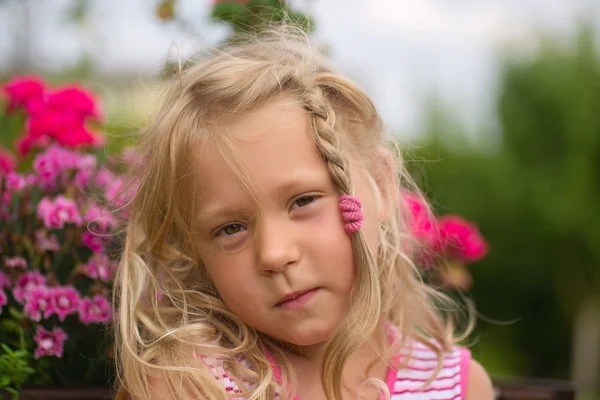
[(295, 247)]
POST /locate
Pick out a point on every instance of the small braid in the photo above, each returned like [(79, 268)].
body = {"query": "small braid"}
[(365, 310), (322, 123)]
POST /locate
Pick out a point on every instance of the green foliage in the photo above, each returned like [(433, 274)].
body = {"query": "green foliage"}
[(258, 15), (14, 369), (549, 111), (535, 198)]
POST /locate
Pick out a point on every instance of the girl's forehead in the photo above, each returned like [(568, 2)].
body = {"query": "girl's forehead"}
[(262, 150)]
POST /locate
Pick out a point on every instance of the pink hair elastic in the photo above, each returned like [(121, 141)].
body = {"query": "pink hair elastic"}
[(351, 213)]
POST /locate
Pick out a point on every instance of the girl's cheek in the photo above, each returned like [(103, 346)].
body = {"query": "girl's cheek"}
[(227, 268), (213, 263)]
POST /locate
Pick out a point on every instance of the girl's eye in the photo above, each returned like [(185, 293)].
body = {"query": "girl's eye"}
[(230, 229), (304, 201)]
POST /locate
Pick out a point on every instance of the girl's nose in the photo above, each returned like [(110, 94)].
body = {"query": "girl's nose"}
[(277, 246)]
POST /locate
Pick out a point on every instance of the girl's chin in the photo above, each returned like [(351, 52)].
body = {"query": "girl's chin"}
[(305, 339)]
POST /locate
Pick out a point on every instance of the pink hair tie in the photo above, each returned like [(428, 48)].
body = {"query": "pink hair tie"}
[(351, 213)]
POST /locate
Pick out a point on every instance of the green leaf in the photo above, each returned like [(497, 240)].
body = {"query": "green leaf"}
[(35, 196), (10, 326), (28, 246), (16, 314), (264, 3), (228, 11), (302, 21), (4, 381), (6, 348), (21, 353), (15, 201), (15, 394)]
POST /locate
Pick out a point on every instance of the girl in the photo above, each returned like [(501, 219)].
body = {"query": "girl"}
[(266, 256)]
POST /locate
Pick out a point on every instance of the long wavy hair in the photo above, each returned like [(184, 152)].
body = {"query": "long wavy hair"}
[(166, 306)]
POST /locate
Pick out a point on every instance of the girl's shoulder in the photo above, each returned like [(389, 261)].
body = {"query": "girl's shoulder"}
[(217, 368), (422, 372)]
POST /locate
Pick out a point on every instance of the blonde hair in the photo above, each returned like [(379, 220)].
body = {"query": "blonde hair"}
[(167, 308)]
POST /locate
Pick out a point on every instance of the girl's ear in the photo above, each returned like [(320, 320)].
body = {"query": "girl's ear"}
[(385, 178)]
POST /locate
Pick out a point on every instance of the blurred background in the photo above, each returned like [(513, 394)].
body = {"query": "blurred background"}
[(496, 102)]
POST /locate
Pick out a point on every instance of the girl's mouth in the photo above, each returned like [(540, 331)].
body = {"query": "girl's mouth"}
[(296, 300)]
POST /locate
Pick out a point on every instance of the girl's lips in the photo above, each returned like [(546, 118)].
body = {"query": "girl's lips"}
[(297, 300)]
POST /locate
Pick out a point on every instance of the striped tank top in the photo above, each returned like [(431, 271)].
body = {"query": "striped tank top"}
[(406, 383)]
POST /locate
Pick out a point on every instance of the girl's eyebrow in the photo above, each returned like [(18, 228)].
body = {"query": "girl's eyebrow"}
[(298, 180), (217, 210)]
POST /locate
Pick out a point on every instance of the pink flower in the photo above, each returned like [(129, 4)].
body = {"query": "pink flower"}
[(24, 144), (49, 123), (5, 207), (63, 118), (7, 162), (96, 309), (26, 92), (6, 198), (119, 192), (38, 303), (58, 213), (76, 100), (59, 115), (3, 299), (47, 169), (114, 192), (65, 126), (15, 182), (15, 262), (26, 283), (422, 222), (49, 343), (56, 162), (46, 243), (86, 161), (4, 281), (99, 267), (94, 241), (74, 136), (44, 206), (31, 180), (65, 301), (131, 157), (462, 239), (53, 162), (103, 177), (99, 216), (82, 178)]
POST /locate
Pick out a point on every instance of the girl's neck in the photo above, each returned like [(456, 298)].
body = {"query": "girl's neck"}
[(307, 365), (372, 348)]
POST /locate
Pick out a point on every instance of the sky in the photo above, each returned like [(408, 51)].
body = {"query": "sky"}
[(401, 51)]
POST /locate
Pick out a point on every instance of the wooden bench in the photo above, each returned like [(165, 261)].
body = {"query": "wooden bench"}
[(532, 389)]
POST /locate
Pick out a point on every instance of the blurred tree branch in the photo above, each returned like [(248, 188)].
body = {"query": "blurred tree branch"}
[(242, 16)]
